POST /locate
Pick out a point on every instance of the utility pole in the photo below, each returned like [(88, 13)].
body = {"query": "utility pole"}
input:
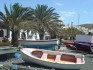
[(78, 19), (71, 24)]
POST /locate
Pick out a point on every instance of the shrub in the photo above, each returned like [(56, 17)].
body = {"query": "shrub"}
[(5, 43)]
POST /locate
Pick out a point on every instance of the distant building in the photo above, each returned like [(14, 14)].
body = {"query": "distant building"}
[(85, 30)]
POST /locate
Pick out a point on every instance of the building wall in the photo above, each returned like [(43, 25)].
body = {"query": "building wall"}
[(4, 33), (29, 35)]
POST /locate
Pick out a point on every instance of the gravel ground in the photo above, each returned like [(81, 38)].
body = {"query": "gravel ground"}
[(6, 60)]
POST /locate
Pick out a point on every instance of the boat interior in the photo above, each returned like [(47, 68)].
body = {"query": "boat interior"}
[(37, 54), (59, 58)]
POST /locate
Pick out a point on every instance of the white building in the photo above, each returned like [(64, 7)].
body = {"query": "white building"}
[(28, 35)]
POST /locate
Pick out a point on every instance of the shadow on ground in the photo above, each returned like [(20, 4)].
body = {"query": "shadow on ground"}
[(5, 57), (39, 67), (89, 55)]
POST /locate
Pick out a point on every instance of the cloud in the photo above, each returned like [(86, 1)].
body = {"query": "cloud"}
[(68, 14), (58, 4)]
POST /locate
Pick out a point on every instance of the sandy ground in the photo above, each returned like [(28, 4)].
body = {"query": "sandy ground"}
[(18, 62), (88, 58)]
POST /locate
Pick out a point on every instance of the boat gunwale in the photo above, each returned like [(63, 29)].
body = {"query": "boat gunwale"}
[(34, 57), (37, 40)]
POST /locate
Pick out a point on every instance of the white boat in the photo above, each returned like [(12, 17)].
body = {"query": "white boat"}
[(6, 50), (39, 43), (54, 59)]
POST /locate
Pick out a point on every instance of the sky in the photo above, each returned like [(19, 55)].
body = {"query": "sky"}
[(70, 11)]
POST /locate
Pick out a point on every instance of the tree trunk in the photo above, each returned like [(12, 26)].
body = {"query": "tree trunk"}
[(53, 35), (41, 36), (8, 32), (14, 38)]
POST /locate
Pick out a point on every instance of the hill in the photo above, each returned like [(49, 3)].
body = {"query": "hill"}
[(89, 26)]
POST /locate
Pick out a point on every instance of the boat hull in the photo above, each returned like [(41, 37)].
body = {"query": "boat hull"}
[(84, 43), (30, 59), (82, 46), (42, 44), (8, 50)]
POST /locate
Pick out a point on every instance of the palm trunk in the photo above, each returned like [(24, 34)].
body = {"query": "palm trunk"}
[(8, 33), (27, 33), (53, 35), (41, 36), (14, 38)]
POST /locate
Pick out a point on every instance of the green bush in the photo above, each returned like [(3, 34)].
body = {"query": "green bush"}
[(5, 43)]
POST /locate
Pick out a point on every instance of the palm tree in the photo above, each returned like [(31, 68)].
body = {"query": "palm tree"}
[(4, 23), (72, 32), (55, 30), (44, 19), (13, 17)]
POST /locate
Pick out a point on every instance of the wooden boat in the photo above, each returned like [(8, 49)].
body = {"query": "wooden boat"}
[(39, 43), (53, 59)]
